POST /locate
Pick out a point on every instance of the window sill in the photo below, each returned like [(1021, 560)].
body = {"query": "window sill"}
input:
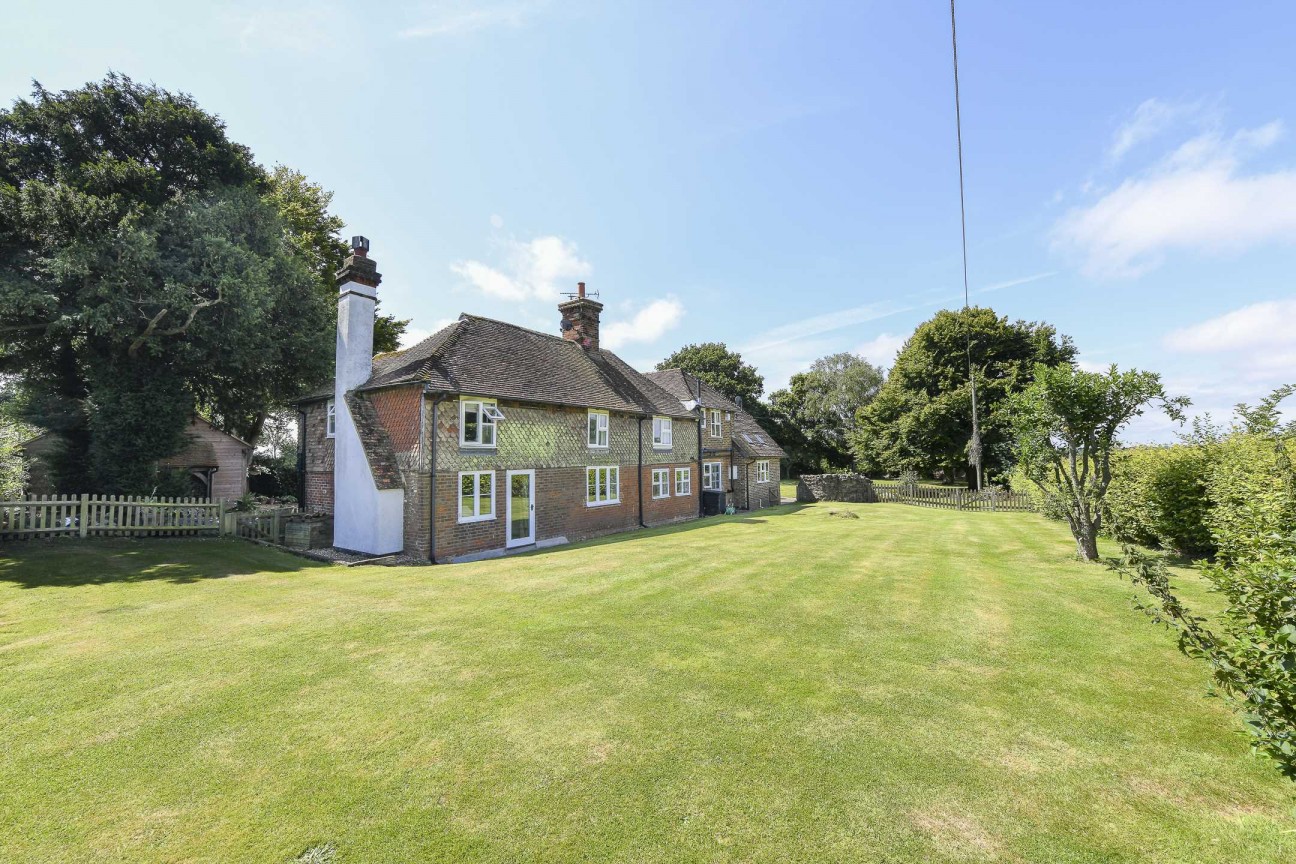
[(662, 447), (469, 520), (683, 494), (602, 503), (660, 497), (598, 446)]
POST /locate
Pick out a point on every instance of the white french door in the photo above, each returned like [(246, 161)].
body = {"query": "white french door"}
[(520, 511)]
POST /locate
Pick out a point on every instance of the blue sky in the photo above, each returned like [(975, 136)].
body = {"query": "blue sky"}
[(780, 177)]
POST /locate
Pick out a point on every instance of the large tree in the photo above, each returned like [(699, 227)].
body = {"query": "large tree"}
[(1065, 427), (147, 268), (816, 413), (723, 369), (921, 419)]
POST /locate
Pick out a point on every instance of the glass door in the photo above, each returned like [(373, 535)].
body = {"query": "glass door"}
[(521, 507)]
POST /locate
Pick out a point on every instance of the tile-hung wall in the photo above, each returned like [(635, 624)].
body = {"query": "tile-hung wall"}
[(554, 442), (544, 436)]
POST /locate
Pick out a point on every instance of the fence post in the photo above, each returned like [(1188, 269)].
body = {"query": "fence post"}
[(274, 525), (83, 518), (220, 518)]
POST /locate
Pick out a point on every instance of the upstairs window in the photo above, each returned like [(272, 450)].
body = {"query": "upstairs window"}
[(715, 423), (712, 473), (602, 486), (762, 471), (683, 481), (477, 419), (662, 433), (476, 495), (598, 429), (330, 422)]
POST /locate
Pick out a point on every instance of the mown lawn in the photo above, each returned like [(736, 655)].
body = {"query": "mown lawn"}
[(908, 686)]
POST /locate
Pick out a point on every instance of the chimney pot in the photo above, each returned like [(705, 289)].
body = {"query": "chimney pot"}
[(360, 246), (580, 289)]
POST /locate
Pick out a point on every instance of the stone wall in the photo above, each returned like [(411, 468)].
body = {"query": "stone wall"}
[(855, 488)]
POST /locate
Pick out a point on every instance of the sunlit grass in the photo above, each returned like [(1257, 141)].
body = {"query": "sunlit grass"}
[(912, 685)]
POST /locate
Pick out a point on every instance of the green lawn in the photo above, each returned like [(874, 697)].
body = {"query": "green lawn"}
[(913, 685)]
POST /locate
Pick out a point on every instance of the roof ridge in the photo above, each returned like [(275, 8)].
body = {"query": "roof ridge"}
[(511, 325)]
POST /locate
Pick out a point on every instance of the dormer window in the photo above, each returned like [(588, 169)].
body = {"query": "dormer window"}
[(477, 419), (715, 423), (598, 429), (662, 438)]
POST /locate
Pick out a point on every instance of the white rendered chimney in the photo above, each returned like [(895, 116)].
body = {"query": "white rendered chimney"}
[(365, 518), (357, 296)]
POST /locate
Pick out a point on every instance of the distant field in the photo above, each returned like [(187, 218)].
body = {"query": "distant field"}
[(910, 685)]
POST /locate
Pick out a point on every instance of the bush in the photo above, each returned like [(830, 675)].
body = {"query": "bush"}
[(1158, 497), (1251, 489)]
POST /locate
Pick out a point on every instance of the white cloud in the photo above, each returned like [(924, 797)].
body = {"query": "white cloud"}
[(1149, 119), (648, 324), (881, 350), (461, 18), (497, 221), (1013, 283), (826, 323), (536, 269), (300, 30), (1196, 198), (1260, 327)]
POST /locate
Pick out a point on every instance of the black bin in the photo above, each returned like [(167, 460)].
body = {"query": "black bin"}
[(713, 502)]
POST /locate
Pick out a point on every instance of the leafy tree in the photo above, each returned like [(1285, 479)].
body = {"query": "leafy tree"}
[(723, 369), (1065, 425), (316, 234), (13, 468), (143, 272), (819, 407), (921, 419)]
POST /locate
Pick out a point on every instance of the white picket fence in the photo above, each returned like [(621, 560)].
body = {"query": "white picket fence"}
[(110, 516)]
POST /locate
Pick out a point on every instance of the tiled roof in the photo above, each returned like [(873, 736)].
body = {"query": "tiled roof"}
[(377, 445), (485, 357), (748, 436)]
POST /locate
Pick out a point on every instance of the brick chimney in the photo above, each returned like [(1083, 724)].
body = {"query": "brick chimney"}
[(580, 319)]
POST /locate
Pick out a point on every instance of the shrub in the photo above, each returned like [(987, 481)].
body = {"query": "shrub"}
[(1251, 487), (1158, 497)]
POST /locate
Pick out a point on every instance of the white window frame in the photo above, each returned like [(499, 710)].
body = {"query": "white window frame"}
[(712, 475), (661, 483), (330, 419), (762, 471), (663, 433), (683, 481), (488, 416), (477, 516), (609, 482), (599, 433), (716, 428)]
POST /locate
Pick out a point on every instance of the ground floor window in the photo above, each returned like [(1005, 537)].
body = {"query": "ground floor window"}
[(762, 471), (476, 495), (602, 486), (661, 483), (683, 481), (712, 475)]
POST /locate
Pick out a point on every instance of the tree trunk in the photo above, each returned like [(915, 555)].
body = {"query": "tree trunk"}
[(1086, 537)]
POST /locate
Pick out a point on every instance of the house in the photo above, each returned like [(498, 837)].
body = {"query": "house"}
[(739, 458), (215, 462), (487, 436)]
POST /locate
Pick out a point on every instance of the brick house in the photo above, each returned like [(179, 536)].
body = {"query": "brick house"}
[(488, 436), (739, 458)]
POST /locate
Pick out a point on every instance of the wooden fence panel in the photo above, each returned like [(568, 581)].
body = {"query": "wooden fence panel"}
[(953, 499), (109, 516)]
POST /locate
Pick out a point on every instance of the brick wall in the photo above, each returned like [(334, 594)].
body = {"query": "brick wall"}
[(553, 442), (319, 459)]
